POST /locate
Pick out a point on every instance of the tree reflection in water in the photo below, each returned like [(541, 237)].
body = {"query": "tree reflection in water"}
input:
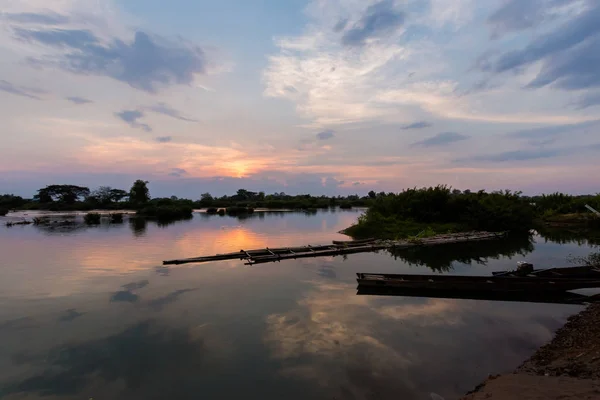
[(441, 258)]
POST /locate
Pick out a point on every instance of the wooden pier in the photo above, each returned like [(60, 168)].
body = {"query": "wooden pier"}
[(259, 256)]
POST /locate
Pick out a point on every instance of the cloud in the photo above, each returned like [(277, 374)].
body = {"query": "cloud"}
[(575, 69), (517, 15), (569, 54), (336, 84), (441, 139), (159, 303), (328, 134), (379, 19), (147, 63), (163, 139), (417, 125), (177, 172), (48, 18), (548, 134), (131, 117), (341, 24), (588, 100), (533, 154), (23, 91), (70, 315), (162, 108), (78, 100)]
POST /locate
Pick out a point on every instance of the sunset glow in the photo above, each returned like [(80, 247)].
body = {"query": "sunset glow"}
[(317, 100)]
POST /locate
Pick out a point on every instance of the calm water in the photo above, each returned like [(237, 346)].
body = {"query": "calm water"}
[(92, 313)]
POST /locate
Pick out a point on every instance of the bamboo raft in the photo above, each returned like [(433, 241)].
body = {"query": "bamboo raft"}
[(259, 256)]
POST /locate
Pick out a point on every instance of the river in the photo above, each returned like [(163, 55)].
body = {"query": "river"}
[(90, 312)]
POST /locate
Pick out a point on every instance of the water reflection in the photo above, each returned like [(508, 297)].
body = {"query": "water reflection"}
[(362, 347), (70, 315), (138, 226), (94, 314), (564, 236), (441, 258), (148, 359)]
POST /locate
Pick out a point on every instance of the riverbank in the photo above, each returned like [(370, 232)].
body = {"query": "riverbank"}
[(566, 368)]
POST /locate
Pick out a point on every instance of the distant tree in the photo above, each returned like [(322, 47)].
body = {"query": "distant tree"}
[(9, 201), (117, 195), (243, 194), (67, 194), (106, 195), (372, 194), (139, 193), (206, 197)]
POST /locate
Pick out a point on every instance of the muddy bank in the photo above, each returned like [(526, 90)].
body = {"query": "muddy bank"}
[(566, 368)]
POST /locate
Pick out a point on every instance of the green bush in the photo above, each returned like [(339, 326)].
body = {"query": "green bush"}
[(3, 212), (212, 210), (92, 218)]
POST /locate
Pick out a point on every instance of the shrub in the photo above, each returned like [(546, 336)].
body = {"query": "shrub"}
[(234, 211), (166, 212), (92, 218), (116, 218), (212, 210), (3, 212)]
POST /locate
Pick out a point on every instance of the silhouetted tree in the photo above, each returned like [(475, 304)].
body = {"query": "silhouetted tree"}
[(106, 195), (139, 193), (67, 194)]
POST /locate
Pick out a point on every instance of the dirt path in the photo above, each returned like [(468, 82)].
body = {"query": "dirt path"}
[(566, 368)]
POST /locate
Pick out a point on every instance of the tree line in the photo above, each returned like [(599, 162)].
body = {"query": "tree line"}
[(440, 209), (440, 205), (74, 197)]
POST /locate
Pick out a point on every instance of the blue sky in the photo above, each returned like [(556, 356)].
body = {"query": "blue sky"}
[(325, 97)]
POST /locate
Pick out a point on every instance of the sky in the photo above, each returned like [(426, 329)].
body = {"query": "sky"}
[(300, 96)]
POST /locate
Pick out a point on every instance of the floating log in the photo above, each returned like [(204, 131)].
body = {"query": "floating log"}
[(476, 283), (258, 256)]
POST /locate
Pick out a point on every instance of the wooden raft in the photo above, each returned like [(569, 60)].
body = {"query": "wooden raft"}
[(259, 256)]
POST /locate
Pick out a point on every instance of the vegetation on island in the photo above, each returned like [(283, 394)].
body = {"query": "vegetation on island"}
[(440, 209)]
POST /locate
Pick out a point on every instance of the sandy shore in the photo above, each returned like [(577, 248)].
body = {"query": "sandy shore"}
[(566, 368)]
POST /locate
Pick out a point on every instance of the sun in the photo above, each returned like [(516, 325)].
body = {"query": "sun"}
[(238, 168)]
